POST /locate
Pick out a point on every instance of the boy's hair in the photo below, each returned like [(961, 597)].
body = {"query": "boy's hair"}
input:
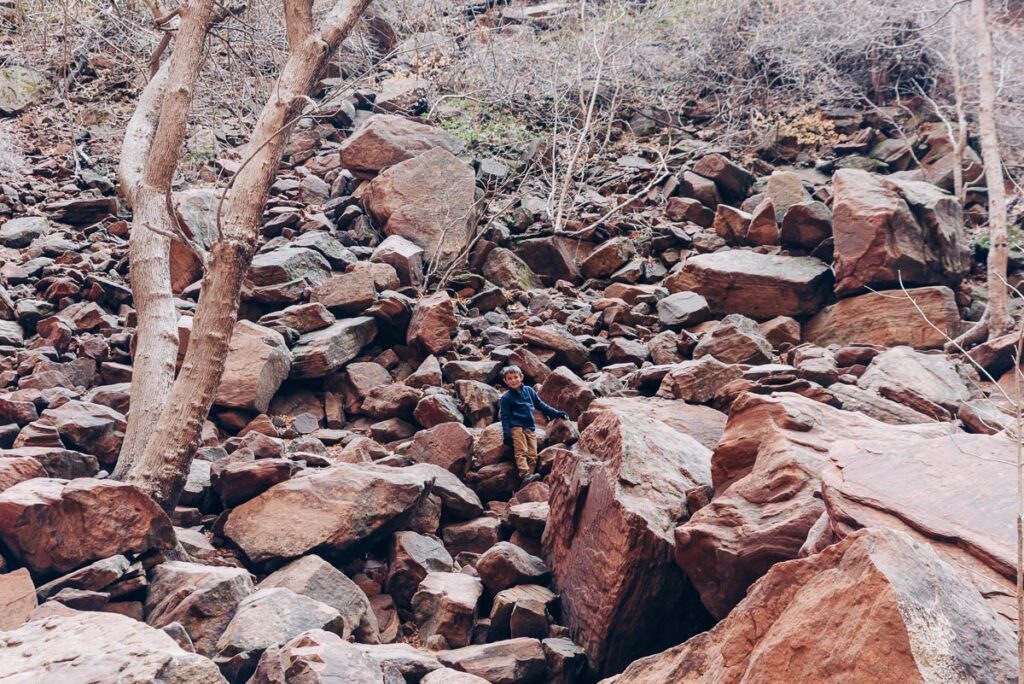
[(509, 370)]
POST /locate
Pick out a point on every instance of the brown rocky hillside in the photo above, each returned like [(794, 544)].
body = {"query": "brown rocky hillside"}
[(773, 467)]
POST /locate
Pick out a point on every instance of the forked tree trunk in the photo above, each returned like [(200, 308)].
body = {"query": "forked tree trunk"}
[(163, 466), (149, 158), (999, 321)]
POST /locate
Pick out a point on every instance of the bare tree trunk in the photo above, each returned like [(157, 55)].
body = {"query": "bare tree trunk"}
[(149, 159), (999, 321), (960, 143), (164, 464)]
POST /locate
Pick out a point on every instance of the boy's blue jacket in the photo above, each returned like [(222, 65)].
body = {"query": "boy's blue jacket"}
[(517, 409)]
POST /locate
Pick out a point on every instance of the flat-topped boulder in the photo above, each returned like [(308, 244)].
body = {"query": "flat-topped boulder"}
[(342, 506), (703, 423), (760, 286), (888, 318)]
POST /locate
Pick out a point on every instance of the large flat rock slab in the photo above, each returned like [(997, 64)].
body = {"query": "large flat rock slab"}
[(888, 319), (877, 607), (957, 493), (760, 286)]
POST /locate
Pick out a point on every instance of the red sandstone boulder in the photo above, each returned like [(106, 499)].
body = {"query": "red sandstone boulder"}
[(760, 286), (886, 230), (766, 471), (515, 661), (888, 319), (343, 505), (385, 140), (428, 200), (258, 362), (54, 526), (877, 607), (608, 539), (433, 323)]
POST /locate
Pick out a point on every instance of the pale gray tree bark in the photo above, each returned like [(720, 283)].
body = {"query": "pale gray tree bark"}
[(162, 466)]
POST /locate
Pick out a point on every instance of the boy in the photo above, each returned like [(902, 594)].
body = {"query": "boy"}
[(517, 407)]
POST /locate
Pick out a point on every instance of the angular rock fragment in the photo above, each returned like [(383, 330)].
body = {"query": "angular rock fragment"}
[(760, 286), (625, 488), (258, 362), (428, 200), (321, 352), (343, 504)]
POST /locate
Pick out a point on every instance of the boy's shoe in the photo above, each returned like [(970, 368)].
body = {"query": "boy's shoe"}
[(532, 477)]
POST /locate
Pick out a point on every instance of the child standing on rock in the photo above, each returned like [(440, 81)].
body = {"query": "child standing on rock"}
[(517, 407)]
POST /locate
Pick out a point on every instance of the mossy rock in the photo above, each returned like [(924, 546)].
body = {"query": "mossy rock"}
[(19, 88)]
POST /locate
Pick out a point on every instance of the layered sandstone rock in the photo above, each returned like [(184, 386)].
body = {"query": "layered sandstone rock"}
[(760, 286), (877, 607), (608, 539), (766, 471), (888, 318)]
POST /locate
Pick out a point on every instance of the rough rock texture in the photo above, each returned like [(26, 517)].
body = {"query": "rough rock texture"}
[(385, 140), (885, 230), (766, 471), (317, 657), (258, 362), (267, 618), (200, 598), (760, 286), (100, 648), (609, 541), (515, 661), (889, 608), (341, 505), (445, 604), (703, 423), (433, 323), (54, 526), (321, 352), (316, 578), (887, 319), (428, 200), (920, 380), (18, 597), (957, 493)]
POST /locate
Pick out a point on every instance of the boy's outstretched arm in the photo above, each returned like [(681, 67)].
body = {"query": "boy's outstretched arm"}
[(548, 411)]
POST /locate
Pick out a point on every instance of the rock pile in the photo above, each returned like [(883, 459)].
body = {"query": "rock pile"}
[(762, 432)]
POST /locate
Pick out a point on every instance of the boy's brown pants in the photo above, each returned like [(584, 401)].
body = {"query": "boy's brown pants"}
[(524, 446)]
